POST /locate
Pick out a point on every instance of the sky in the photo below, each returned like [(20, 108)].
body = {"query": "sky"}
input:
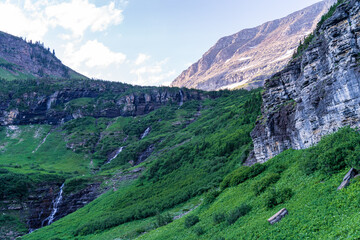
[(141, 42)]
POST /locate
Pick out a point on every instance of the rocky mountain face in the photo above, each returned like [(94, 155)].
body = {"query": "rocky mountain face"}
[(39, 205), (21, 59), (44, 102), (317, 93), (247, 58)]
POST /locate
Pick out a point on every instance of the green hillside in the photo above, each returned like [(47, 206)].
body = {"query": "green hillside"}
[(194, 147)]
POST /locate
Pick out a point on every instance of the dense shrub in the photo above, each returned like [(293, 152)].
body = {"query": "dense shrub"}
[(333, 153), (14, 186), (199, 230), (3, 171), (162, 220), (241, 174), (238, 212), (275, 197), (211, 196), (191, 221), (261, 185), (218, 218)]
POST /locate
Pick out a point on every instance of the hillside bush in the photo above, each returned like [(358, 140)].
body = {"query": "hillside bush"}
[(333, 153), (262, 184), (275, 197), (219, 218), (191, 221), (241, 174), (162, 220), (199, 230), (211, 196), (238, 212)]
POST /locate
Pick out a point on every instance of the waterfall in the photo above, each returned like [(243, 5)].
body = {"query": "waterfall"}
[(181, 98), (147, 131), (116, 154), (56, 203), (43, 141), (52, 98)]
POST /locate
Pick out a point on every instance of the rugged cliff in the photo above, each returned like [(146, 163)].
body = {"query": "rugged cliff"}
[(250, 56), (317, 93), (54, 102)]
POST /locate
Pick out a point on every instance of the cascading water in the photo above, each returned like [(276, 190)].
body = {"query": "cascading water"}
[(181, 98), (51, 99), (116, 154), (56, 203), (147, 131), (43, 141)]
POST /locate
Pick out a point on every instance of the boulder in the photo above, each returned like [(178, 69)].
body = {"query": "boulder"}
[(278, 216), (346, 180)]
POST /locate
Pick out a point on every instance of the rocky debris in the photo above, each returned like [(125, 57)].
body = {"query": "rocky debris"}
[(317, 93), (250, 56), (186, 212), (278, 216), (346, 180), (122, 176)]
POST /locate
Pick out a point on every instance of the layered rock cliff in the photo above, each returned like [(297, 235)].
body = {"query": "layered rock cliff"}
[(317, 93), (250, 56), (47, 102)]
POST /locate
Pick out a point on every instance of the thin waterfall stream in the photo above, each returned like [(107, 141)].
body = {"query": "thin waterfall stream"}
[(181, 98), (56, 204), (116, 154)]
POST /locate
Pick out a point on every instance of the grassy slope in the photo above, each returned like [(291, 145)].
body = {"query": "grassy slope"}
[(195, 147), (316, 209), (18, 154)]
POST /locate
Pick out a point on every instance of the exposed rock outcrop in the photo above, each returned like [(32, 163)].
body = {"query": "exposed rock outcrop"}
[(346, 180), (250, 56), (38, 206), (317, 93), (95, 98)]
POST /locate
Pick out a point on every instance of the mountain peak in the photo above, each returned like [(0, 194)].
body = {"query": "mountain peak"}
[(245, 59)]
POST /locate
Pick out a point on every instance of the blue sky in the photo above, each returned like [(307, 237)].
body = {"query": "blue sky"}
[(144, 42)]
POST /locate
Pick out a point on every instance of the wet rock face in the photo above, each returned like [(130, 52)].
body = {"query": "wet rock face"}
[(39, 204), (316, 94), (55, 107)]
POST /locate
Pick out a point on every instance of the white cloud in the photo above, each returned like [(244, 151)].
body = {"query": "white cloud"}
[(15, 21), (34, 19), (80, 15), (141, 58), (153, 74), (72, 24), (92, 54)]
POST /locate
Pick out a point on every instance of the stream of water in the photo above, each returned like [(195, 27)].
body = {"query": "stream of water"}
[(56, 203)]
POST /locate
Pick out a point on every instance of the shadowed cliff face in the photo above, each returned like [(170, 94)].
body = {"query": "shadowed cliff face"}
[(250, 56), (44, 103), (317, 93)]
